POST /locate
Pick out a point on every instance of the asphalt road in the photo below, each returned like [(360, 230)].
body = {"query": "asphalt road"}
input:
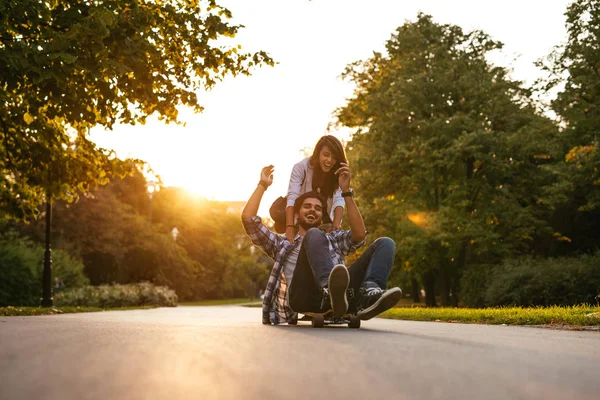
[(225, 353)]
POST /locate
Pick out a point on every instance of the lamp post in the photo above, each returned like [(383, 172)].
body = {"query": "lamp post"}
[(151, 187), (47, 299)]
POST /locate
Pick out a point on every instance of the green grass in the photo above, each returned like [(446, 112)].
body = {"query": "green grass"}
[(31, 311), (583, 315), (220, 302)]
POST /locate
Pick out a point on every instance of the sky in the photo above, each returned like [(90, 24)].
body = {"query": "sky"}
[(273, 115)]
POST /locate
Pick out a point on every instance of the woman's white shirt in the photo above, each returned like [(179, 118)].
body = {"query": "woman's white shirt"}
[(301, 182)]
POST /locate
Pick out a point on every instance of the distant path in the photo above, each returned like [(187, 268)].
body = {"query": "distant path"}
[(223, 352)]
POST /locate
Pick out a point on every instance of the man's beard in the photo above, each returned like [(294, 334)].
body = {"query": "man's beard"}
[(304, 223)]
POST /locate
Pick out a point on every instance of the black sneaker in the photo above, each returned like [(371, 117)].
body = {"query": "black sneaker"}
[(339, 278), (351, 301), (325, 301), (374, 301)]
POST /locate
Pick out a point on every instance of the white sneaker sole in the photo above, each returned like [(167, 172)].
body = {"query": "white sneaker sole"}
[(339, 279), (385, 302)]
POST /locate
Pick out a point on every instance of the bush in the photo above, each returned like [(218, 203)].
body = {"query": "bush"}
[(473, 285), (544, 282), (110, 296), (18, 285), (21, 267)]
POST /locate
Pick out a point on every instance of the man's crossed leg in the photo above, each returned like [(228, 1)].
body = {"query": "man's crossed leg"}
[(319, 286)]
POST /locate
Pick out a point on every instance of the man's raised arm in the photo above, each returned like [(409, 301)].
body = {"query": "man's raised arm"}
[(357, 225), (266, 179)]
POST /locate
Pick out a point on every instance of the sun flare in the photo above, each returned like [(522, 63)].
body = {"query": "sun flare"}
[(419, 219)]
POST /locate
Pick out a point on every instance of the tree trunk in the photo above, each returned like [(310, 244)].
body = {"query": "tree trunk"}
[(445, 286), (461, 264), (455, 290), (47, 300), (429, 283), (415, 290)]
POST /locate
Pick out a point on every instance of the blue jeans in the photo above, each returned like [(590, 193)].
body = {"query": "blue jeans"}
[(314, 264)]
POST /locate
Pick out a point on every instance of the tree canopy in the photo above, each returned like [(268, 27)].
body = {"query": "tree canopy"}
[(108, 231), (447, 151), (574, 72), (69, 65)]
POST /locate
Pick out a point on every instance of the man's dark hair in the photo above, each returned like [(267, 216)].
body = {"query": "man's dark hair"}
[(312, 195)]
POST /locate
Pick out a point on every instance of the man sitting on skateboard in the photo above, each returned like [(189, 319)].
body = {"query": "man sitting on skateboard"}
[(309, 275)]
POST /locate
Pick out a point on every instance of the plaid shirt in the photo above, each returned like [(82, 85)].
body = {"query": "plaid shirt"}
[(276, 309)]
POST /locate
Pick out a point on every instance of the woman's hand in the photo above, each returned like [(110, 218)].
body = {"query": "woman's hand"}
[(331, 228), (344, 176)]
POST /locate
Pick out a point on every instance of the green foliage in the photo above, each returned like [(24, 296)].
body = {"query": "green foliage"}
[(473, 284), (574, 69), (213, 236), (21, 262), (18, 285), (69, 269), (447, 152), (109, 230), (575, 65), (117, 245), (543, 282), (115, 61), (68, 66), (110, 296)]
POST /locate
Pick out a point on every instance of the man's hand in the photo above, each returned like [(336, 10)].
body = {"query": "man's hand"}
[(266, 179), (357, 225), (344, 176), (266, 175)]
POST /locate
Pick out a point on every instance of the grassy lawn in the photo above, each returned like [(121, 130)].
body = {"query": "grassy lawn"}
[(576, 316), (24, 311), (220, 302), (583, 315)]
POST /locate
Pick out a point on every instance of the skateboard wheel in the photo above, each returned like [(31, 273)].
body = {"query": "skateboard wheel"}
[(354, 322), (318, 321)]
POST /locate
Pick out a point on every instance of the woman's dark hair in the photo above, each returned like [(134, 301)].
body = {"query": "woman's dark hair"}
[(326, 183)]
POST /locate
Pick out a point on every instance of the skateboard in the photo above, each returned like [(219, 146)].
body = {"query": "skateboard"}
[(319, 320)]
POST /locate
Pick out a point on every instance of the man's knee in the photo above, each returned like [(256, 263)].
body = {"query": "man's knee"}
[(385, 242), (313, 233)]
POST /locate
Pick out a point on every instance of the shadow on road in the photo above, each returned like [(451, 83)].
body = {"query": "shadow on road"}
[(337, 330)]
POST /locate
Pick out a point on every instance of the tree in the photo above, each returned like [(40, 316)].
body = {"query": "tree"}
[(574, 69), (214, 238), (21, 270), (576, 65), (446, 152), (114, 241), (108, 230), (69, 65)]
